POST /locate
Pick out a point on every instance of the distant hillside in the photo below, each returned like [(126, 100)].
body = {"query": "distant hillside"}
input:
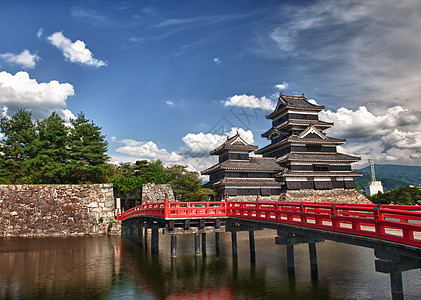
[(391, 176)]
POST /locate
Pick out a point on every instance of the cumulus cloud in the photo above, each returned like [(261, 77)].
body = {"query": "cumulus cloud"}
[(169, 103), (20, 91), (250, 101), (194, 153), (283, 86), (25, 59), (200, 144), (75, 52), (391, 137)]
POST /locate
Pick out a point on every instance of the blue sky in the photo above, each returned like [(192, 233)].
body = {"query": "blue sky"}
[(170, 80)]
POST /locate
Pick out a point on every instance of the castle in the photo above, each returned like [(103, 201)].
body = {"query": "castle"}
[(300, 163)]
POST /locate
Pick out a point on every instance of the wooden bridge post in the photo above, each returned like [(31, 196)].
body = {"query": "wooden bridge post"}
[(234, 244), (173, 245), (313, 261), (396, 285), (197, 244), (290, 259), (204, 243), (154, 240), (145, 238), (252, 247), (217, 243), (140, 235)]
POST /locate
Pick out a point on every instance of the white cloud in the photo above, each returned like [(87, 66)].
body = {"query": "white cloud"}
[(40, 32), (20, 91), (75, 52), (25, 59), (194, 153), (217, 60), (250, 102), (170, 103), (313, 101), (283, 86), (200, 144), (391, 137)]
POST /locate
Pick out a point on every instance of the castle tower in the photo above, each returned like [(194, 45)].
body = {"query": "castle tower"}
[(307, 156), (238, 174)]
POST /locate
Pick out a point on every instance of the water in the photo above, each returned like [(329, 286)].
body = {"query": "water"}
[(117, 268)]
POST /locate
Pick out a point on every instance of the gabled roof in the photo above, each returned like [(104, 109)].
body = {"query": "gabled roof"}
[(253, 164), (303, 123), (311, 129), (235, 143), (293, 102)]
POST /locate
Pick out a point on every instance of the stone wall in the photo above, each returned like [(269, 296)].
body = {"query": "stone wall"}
[(152, 193), (333, 196), (55, 210)]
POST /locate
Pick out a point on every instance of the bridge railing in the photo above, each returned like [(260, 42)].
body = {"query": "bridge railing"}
[(397, 223)]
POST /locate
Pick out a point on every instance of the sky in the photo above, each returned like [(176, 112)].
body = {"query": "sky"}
[(170, 80)]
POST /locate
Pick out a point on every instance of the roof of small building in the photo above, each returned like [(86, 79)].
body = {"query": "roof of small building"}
[(293, 102), (235, 143), (253, 164), (260, 182)]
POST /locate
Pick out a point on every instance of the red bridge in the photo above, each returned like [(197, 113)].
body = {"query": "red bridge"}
[(393, 231)]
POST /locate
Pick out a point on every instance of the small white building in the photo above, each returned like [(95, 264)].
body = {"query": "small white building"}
[(374, 187)]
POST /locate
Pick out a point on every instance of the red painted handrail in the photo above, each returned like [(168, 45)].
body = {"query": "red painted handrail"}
[(397, 223)]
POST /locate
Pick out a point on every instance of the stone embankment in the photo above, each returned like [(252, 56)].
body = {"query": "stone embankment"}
[(332, 196), (57, 210)]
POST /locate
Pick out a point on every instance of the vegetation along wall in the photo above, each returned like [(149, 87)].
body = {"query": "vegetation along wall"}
[(56, 210)]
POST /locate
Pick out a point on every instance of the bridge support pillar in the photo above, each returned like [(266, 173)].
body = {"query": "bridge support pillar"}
[(204, 243), (313, 261), (217, 243), (290, 259), (252, 247), (140, 235), (396, 285), (197, 244), (145, 238), (154, 240), (234, 244), (173, 245)]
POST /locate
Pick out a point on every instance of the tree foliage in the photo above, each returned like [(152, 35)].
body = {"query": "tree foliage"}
[(186, 185), (48, 151), (403, 195)]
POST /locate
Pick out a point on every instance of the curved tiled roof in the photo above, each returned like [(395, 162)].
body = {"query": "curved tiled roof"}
[(317, 157), (235, 143), (253, 164), (293, 102)]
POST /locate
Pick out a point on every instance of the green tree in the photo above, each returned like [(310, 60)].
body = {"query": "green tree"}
[(186, 184), (17, 147), (50, 164), (88, 158)]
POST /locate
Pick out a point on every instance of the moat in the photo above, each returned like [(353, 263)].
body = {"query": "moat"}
[(117, 268)]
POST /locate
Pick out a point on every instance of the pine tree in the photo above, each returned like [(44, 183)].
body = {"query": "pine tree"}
[(88, 159), (50, 164), (17, 148)]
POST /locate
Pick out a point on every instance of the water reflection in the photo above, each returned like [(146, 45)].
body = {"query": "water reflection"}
[(115, 268)]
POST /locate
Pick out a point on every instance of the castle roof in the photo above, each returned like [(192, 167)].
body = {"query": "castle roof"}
[(235, 143), (289, 173), (304, 123), (293, 102), (253, 164), (317, 157), (262, 182)]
